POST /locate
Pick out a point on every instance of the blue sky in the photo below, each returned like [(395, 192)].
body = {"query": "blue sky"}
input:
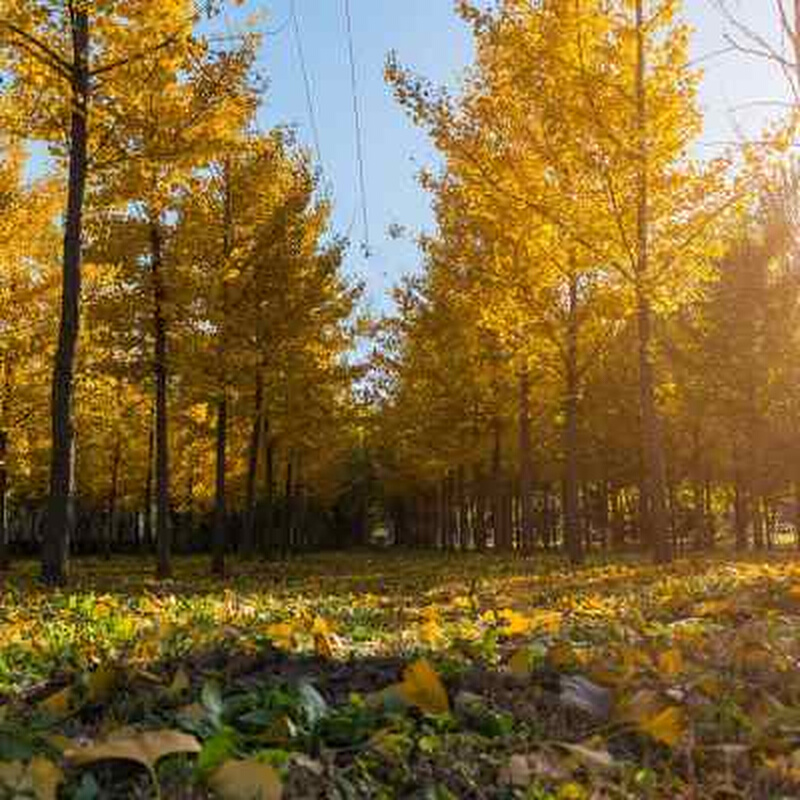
[(429, 37)]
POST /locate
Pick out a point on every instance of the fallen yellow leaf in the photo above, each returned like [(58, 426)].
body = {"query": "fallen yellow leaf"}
[(670, 663), (421, 687), (667, 726), (145, 748), (246, 780)]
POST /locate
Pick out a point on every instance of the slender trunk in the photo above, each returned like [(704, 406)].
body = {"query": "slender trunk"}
[(497, 487), (288, 509), (252, 468), (269, 491), (5, 556), (112, 496), (56, 540), (571, 524), (653, 508), (218, 545), (525, 462), (758, 522), (220, 515), (462, 509), (163, 533), (479, 523), (148, 492)]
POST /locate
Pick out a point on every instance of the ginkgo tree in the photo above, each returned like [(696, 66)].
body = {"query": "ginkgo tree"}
[(69, 65), (28, 255), (580, 117)]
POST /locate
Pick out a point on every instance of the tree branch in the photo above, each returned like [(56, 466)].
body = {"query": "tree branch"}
[(41, 51)]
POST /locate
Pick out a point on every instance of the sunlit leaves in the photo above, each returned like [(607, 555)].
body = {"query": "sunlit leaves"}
[(422, 687)]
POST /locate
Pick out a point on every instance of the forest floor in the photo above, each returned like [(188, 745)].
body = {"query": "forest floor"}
[(404, 675)]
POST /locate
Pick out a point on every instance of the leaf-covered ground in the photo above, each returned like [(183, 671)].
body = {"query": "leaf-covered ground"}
[(404, 675)]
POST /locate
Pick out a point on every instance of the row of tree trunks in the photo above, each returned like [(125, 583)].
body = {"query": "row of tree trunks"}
[(479, 514)]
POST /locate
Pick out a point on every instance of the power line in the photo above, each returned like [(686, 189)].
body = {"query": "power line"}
[(298, 40), (362, 181)]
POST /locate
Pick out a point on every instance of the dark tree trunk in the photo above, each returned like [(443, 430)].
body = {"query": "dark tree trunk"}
[(758, 522), (740, 516), (252, 469), (163, 532), (525, 462), (220, 516), (571, 511), (269, 492), (220, 512), (462, 507), (479, 523), (55, 548), (497, 486), (653, 501), (288, 509), (148, 492), (112, 496), (5, 555)]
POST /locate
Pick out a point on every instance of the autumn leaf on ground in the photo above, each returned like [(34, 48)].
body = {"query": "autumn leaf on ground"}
[(246, 780), (421, 687), (670, 663), (283, 634), (668, 726), (515, 623), (145, 748)]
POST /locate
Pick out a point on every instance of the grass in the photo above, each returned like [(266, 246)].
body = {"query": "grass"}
[(699, 661)]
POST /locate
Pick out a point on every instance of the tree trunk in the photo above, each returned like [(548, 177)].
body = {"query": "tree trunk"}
[(653, 503), (497, 486), (148, 492), (286, 536), (56, 541), (571, 524), (112, 496), (252, 469), (269, 492), (220, 514), (525, 462), (218, 544), (163, 533), (5, 556)]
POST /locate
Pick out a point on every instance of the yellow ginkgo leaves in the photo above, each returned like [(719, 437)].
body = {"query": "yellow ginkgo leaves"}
[(515, 623), (670, 663), (667, 727), (649, 713), (422, 688)]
